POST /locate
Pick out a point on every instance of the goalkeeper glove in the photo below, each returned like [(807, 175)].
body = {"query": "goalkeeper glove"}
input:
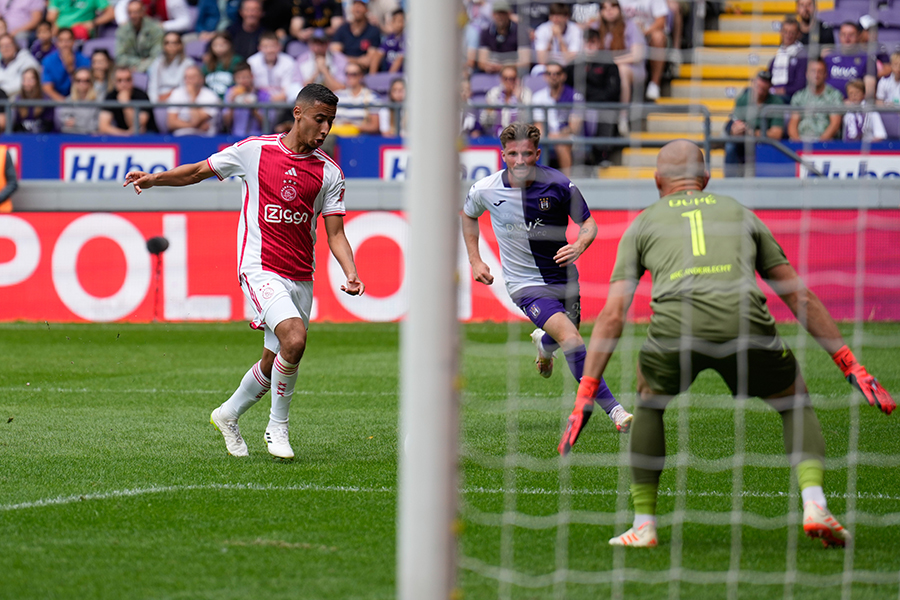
[(859, 378), (584, 406)]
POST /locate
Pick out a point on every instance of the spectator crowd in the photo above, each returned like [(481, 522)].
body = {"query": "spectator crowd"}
[(814, 70), (523, 58)]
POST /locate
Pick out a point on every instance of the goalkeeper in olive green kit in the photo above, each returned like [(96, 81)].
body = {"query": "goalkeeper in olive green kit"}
[(703, 251)]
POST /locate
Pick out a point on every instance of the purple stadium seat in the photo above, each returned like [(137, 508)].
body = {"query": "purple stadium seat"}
[(482, 82), (891, 124), (535, 82), (140, 80), (890, 38), (195, 49), (161, 116), (296, 48), (380, 83), (108, 44)]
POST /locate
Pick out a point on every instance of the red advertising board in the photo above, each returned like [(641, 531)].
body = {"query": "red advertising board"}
[(95, 267)]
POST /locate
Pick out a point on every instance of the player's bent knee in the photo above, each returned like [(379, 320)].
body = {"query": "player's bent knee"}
[(292, 339)]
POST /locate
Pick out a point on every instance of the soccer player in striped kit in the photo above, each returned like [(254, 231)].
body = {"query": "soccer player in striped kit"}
[(287, 183), (530, 206)]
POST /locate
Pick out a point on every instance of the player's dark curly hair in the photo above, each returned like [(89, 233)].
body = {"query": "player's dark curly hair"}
[(316, 92), (520, 131)]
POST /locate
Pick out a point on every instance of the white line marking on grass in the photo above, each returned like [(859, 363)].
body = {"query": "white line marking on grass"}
[(133, 492), (31, 388)]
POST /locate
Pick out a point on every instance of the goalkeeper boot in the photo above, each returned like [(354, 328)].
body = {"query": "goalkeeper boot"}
[(637, 537), (229, 429), (277, 441), (621, 418), (819, 523), (544, 361)]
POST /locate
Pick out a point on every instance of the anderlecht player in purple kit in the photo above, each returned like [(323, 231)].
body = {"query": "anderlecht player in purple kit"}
[(530, 207)]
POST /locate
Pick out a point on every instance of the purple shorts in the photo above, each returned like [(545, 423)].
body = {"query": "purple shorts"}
[(541, 303)]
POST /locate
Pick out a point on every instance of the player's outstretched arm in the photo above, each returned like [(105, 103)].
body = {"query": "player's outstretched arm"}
[(480, 271), (340, 248), (177, 177), (569, 253), (816, 319)]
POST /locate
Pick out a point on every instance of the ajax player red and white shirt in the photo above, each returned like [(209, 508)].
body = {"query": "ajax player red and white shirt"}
[(283, 195)]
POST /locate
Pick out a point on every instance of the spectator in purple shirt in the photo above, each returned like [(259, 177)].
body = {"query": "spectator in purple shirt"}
[(850, 61), (389, 57), (43, 43), (558, 123), (33, 119), (788, 67)]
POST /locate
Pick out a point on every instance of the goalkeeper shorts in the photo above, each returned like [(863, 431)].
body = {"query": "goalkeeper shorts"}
[(762, 371)]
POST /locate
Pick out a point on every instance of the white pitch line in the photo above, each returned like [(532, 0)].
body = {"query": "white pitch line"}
[(31, 388), (133, 492)]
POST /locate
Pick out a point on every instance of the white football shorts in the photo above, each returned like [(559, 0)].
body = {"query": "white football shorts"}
[(276, 299)]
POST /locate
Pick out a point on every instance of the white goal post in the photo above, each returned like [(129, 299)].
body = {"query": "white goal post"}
[(426, 544)]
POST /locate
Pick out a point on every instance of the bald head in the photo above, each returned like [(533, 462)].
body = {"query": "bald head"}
[(680, 166)]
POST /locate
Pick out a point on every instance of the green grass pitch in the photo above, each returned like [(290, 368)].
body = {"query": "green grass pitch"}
[(114, 485)]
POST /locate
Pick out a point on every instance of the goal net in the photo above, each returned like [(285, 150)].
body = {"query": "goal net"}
[(537, 525)]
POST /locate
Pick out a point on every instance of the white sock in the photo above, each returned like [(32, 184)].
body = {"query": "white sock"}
[(253, 386), (815, 494), (284, 377), (639, 520)]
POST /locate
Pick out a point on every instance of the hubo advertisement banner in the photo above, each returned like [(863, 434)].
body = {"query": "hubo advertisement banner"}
[(94, 159), (110, 162), (852, 165), (96, 267), (834, 160)]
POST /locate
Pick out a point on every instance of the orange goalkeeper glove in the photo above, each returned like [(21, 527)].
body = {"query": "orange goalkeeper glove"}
[(584, 406), (859, 378)]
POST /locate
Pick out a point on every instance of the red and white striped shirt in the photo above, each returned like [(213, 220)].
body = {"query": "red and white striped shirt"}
[(283, 195)]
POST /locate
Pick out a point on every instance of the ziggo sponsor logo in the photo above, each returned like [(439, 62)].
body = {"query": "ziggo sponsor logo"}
[(275, 213)]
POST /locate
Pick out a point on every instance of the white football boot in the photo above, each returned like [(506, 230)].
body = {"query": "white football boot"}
[(544, 361), (229, 429), (621, 418), (642, 537), (277, 441), (819, 523)]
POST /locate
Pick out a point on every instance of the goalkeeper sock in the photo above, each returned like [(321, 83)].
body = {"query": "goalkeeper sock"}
[(811, 445), (284, 378), (254, 386), (640, 520), (811, 475), (644, 497), (814, 494), (647, 453)]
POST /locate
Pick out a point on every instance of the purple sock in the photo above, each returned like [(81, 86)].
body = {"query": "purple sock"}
[(575, 358), (549, 344), (604, 398)]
